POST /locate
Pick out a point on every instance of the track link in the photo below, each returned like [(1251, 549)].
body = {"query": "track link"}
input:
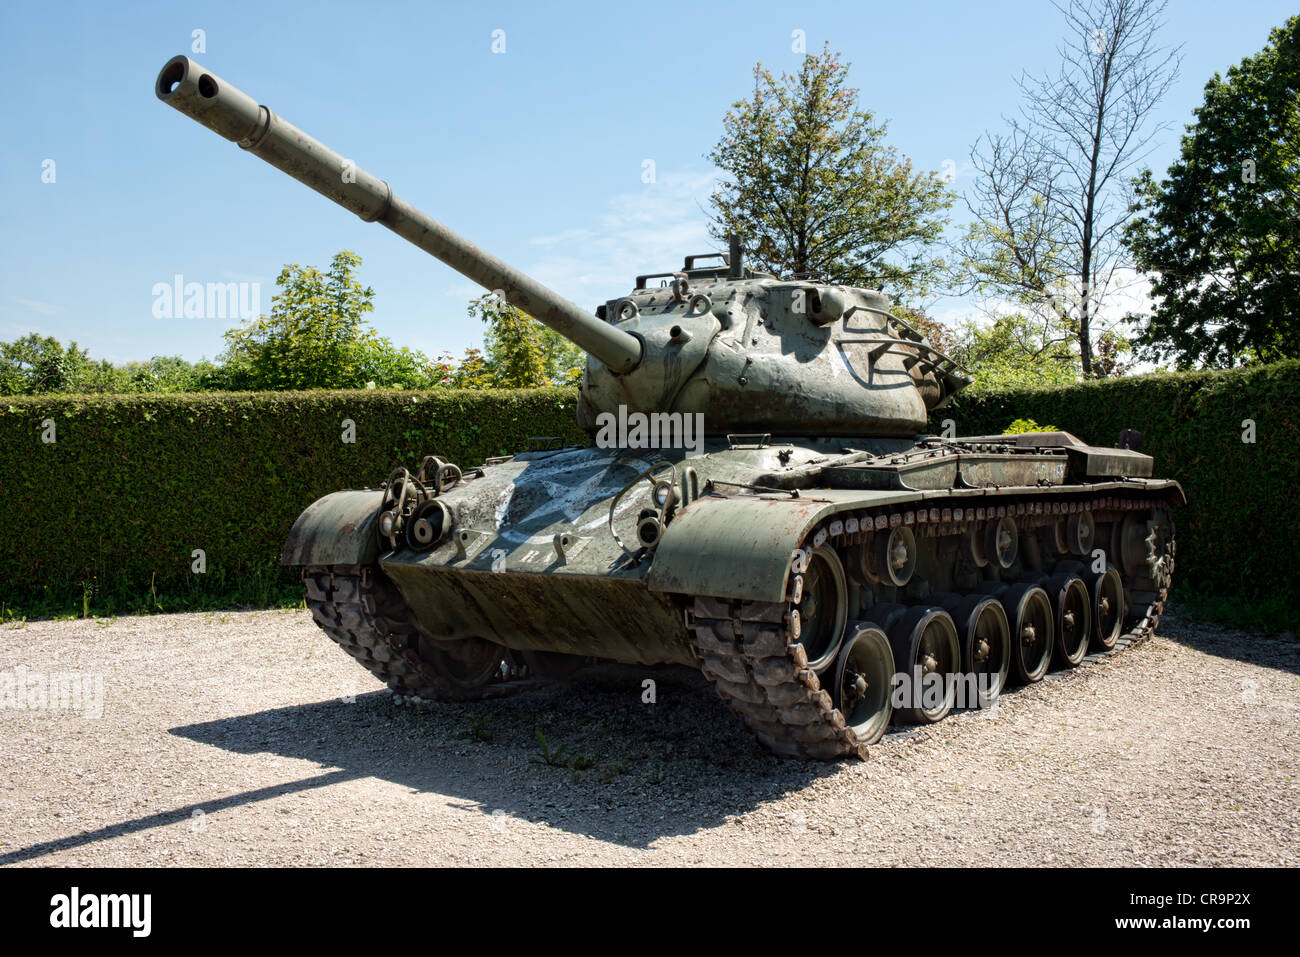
[(765, 680), (365, 616)]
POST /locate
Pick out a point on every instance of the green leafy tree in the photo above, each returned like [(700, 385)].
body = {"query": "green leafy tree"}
[(393, 367), (41, 364), (936, 333), (1018, 350), (519, 351), (37, 364), (315, 337), (565, 362), (813, 189), (161, 374), (1019, 426), (1219, 237), (104, 378), (472, 372)]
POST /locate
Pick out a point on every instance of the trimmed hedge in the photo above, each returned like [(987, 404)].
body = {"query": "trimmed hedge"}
[(114, 508), (1237, 533), (106, 518)]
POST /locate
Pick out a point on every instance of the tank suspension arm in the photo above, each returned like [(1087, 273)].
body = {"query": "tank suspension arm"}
[(226, 110)]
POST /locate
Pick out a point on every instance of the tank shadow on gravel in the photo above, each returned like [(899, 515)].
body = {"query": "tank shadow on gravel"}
[(174, 816), (624, 771)]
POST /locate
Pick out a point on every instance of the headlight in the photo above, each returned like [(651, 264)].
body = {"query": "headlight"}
[(663, 493)]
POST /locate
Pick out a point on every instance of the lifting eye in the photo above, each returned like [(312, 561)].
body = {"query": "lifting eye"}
[(699, 304)]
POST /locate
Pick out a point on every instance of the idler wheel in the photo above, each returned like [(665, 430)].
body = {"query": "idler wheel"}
[(864, 677), (1029, 613), (985, 637), (823, 608), (927, 653), (1072, 608)]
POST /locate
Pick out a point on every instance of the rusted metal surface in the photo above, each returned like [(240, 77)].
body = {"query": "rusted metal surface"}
[(983, 470), (578, 615), (734, 547), (915, 474), (1086, 461)]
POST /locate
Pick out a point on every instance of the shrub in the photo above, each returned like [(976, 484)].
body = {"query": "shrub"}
[(133, 484)]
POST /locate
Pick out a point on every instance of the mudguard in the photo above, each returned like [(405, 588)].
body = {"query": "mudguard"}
[(338, 529), (735, 547)]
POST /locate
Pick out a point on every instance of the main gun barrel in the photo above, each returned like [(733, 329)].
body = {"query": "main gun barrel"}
[(226, 110)]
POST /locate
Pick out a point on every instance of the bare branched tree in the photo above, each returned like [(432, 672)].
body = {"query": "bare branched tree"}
[(1052, 194)]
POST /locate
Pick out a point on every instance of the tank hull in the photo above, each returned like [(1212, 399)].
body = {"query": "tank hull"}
[(785, 570), (501, 577)]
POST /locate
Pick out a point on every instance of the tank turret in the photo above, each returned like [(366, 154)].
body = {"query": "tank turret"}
[(751, 352)]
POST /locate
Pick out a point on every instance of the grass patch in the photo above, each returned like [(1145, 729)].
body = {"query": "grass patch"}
[(96, 598)]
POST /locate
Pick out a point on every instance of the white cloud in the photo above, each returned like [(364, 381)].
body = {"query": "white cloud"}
[(35, 305), (646, 230)]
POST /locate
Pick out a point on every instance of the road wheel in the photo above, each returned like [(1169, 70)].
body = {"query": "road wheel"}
[(1029, 612), (928, 656), (1072, 608), (864, 677)]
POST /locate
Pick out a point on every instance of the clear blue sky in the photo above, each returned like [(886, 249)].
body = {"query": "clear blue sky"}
[(535, 154)]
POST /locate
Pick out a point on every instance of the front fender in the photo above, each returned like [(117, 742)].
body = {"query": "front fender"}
[(734, 547), (338, 529)]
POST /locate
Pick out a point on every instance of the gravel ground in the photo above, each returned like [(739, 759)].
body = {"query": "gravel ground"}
[(248, 738)]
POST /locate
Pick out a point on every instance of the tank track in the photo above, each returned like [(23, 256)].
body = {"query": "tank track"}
[(366, 617), (764, 677), (746, 651)]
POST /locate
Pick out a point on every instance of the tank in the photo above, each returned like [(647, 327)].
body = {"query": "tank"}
[(760, 500)]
